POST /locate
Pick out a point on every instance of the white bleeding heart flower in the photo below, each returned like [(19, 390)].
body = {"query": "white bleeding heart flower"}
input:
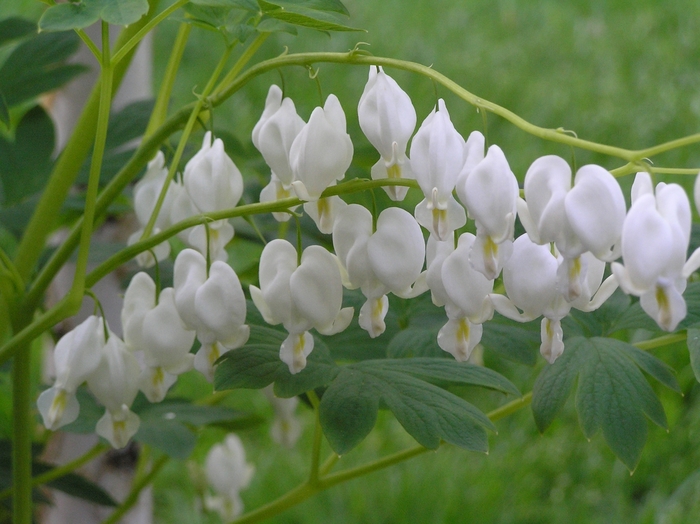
[(321, 152), (387, 118), (76, 356), (115, 384), (182, 208), (146, 259), (286, 428), (490, 193), (212, 180), (473, 154), (300, 297), (388, 260), (147, 191), (228, 473), (219, 235), (275, 191), (585, 217), (467, 301), (157, 330), (655, 238), (213, 305), (324, 211), (530, 280), (436, 160), (275, 132)]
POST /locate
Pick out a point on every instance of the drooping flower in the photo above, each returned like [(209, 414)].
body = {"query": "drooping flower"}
[(212, 304), (387, 118), (157, 330), (436, 160), (212, 180), (115, 383), (218, 234), (655, 238), (324, 212), (388, 260), (585, 217), (463, 291), (531, 280), (228, 473), (76, 356), (275, 132), (321, 152), (473, 154), (285, 429), (490, 192), (300, 297)]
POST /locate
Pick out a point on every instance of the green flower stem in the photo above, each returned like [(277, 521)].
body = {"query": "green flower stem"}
[(124, 49), (309, 488), (328, 464), (160, 109), (241, 63), (90, 45), (359, 58), (77, 289), (61, 471), (126, 254), (142, 155), (66, 170), (183, 141), (22, 425), (136, 490), (665, 340)]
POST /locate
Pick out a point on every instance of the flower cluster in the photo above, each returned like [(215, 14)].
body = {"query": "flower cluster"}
[(574, 226)]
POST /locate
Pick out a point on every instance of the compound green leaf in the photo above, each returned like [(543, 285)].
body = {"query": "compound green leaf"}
[(514, 342), (37, 66), (298, 14), (123, 12), (258, 364), (348, 409), (14, 27), (70, 15)]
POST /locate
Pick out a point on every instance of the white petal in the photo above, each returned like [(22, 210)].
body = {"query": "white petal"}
[(118, 427), (467, 288), (552, 335), (295, 349), (459, 337), (57, 407), (396, 250), (189, 273), (324, 212), (316, 287), (665, 305), (372, 315), (155, 383)]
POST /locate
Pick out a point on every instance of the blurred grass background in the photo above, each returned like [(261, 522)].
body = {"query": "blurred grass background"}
[(616, 72)]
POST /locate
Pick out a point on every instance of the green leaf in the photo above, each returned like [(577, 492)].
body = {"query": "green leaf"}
[(123, 12), (250, 5), (415, 341), (77, 15), (612, 394), (653, 366), (694, 350), (692, 301), (69, 15), (446, 371), (348, 410), (335, 6), (258, 364), (512, 341), (37, 66), (427, 412), (169, 425), (270, 25), (25, 164), (14, 27), (553, 385), (76, 486), (305, 17), (233, 24)]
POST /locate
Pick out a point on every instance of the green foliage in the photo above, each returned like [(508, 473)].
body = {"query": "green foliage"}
[(38, 65), (321, 15), (612, 394), (13, 28), (694, 350), (78, 15)]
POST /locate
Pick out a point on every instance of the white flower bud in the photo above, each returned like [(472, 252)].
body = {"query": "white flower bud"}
[(275, 132), (76, 356), (387, 119), (322, 151), (212, 179)]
